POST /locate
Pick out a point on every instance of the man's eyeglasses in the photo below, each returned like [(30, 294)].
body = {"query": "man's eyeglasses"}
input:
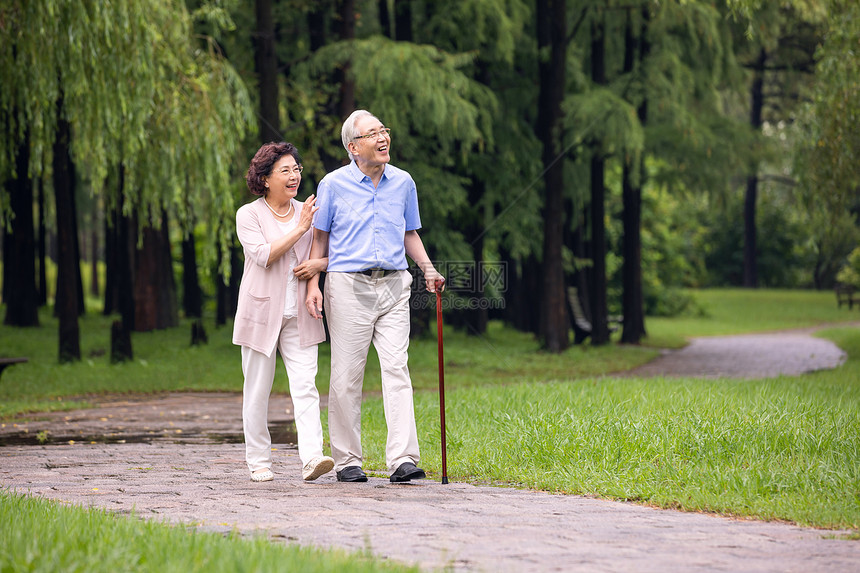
[(386, 131), (286, 170)]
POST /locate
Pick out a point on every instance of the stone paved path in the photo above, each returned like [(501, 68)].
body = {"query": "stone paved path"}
[(747, 356), (174, 465), (463, 527)]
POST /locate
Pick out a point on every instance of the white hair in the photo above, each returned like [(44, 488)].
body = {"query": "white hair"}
[(348, 132)]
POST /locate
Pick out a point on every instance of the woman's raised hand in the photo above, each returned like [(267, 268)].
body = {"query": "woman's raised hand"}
[(308, 210)]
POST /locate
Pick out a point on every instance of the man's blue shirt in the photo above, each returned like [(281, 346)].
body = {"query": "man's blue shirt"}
[(366, 226)]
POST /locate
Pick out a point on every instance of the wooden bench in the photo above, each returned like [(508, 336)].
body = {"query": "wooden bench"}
[(6, 362), (581, 325), (846, 294)]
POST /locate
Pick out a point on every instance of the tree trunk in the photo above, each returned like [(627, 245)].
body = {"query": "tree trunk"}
[(317, 34), (751, 195), (76, 244), (120, 242), (42, 246), (346, 32), (192, 297), (600, 329), (120, 343), (385, 19), (508, 313), (478, 315), (94, 253), (227, 293), (19, 248), (524, 287), (267, 72), (552, 32), (632, 302), (111, 298), (468, 278), (66, 300), (154, 287), (126, 245), (403, 20), (316, 25)]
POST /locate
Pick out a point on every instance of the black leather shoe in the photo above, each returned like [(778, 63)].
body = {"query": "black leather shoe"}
[(351, 473), (406, 472)]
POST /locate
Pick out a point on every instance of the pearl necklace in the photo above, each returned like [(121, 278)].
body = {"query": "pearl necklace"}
[(290, 210)]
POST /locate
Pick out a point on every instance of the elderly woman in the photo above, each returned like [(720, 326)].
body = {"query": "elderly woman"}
[(275, 234)]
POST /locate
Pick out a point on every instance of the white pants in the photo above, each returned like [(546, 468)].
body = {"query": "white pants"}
[(259, 371), (361, 310)]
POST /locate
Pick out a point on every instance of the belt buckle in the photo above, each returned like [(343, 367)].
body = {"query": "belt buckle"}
[(377, 273)]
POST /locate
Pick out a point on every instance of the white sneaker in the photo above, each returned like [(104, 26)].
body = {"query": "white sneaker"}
[(317, 467), (265, 475)]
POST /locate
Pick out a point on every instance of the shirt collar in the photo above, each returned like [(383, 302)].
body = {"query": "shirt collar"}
[(359, 176)]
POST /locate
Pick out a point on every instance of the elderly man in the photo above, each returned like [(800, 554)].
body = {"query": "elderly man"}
[(368, 222)]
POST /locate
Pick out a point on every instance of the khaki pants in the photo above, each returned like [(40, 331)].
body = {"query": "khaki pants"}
[(360, 310), (259, 371)]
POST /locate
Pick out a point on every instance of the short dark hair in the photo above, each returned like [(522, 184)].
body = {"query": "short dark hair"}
[(264, 161)]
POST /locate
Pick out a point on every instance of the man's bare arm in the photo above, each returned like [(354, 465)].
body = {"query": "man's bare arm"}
[(314, 300), (416, 251)]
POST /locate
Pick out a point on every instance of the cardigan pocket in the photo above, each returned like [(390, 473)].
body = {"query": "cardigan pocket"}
[(257, 309)]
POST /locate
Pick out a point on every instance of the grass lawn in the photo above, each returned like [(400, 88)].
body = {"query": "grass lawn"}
[(48, 537), (165, 361), (783, 448), (741, 311)]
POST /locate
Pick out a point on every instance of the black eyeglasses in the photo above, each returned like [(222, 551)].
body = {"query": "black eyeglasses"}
[(386, 131)]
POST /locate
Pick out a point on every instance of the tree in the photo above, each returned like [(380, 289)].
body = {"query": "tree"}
[(779, 58), (135, 89), (552, 45), (636, 48), (267, 72), (829, 146), (19, 248)]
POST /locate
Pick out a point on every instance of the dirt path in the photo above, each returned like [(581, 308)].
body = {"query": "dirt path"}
[(761, 355), (177, 457)]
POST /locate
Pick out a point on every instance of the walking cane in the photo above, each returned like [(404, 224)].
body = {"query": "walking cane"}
[(439, 284)]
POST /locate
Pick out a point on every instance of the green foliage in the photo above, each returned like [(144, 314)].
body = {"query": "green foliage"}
[(849, 274), (601, 115), (139, 90), (415, 88), (783, 249), (495, 27), (829, 146)]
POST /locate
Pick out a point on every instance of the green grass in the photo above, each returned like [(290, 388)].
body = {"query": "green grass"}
[(785, 448), (165, 361), (740, 311), (42, 536)]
